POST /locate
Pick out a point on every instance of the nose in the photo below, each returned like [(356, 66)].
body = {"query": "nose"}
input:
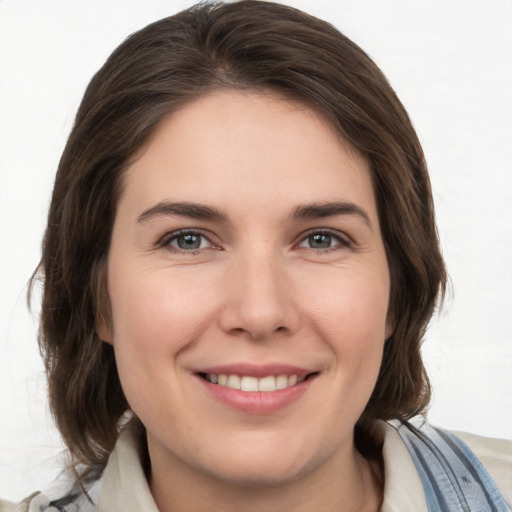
[(258, 301)]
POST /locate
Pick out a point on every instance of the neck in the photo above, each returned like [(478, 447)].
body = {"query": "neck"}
[(349, 485)]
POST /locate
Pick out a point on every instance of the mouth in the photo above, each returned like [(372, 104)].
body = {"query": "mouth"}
[(256, 389), (251, 384)]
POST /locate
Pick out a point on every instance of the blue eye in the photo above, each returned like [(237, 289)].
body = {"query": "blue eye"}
[(189, 241), (320, 240)]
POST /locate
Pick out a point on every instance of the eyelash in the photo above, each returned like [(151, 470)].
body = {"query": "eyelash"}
[(175, 235), (342, 240)]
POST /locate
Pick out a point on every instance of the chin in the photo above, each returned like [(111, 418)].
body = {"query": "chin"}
[(258, 474), (270, 465)]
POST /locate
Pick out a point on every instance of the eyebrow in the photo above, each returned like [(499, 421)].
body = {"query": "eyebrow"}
[(314, 211), (310, 211), (190, 210)]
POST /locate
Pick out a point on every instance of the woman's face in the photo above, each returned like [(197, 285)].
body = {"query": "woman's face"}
[(247, 252)]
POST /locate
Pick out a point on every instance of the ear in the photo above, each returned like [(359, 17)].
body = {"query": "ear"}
[(103, 314), (104, 332), (390, 327)]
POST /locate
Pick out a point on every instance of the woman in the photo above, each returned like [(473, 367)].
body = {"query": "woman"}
[(240, 262)]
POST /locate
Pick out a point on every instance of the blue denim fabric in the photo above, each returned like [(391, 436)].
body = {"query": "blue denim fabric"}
[(454, 480)]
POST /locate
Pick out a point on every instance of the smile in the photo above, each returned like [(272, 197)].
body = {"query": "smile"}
[(256, 389), (251, 384)]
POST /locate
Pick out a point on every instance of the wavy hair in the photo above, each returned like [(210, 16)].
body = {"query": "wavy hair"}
[(250, 45)]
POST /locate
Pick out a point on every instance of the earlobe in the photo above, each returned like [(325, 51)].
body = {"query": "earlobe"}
[(103, 325), (104, 332), (389, 329), (103, 313)]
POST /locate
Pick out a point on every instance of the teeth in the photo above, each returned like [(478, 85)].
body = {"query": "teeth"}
[(267, 384), (233, 382), (281, 382), (247, 383)]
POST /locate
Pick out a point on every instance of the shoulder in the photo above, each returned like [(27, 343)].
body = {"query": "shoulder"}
[(122, 476), (23, 506), (420, 459), (496, 457), (63, 496), (29, 503)]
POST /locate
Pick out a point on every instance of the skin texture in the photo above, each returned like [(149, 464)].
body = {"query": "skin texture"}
[(257, 290)]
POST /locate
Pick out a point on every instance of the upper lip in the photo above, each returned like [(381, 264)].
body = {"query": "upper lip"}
[(252, 370)]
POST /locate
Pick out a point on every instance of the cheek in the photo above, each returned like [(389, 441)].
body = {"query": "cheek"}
[(349, 308), (350, 315), (158, 311), (156, 317)]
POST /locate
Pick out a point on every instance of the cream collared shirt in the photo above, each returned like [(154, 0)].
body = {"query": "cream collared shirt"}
[(124, 487)]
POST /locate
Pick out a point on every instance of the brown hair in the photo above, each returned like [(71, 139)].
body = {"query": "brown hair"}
[(245, 45)]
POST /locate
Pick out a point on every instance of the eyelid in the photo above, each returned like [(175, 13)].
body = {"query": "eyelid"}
[(165, 240), (343, 239)]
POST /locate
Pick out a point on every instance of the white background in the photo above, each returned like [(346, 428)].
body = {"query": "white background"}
[(450, 62)]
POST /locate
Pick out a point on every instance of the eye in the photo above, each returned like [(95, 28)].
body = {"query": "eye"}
[(187, 241), (322, 240)]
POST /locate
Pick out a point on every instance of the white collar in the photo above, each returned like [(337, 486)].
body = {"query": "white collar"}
[(124, 485)]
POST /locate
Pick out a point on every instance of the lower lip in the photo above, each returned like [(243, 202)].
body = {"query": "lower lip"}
[(258, 402)]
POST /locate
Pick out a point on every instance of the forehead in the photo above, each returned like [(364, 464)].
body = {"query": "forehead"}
[(237, 143)]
